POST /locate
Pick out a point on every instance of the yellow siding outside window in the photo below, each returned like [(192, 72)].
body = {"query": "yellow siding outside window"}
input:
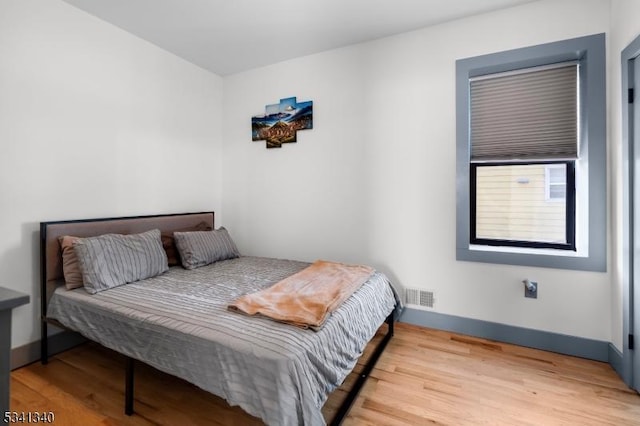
[(512, 204)]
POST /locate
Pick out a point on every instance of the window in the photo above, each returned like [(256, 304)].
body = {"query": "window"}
[(531, 156), (510, 207), (555, 183), (519, 122)]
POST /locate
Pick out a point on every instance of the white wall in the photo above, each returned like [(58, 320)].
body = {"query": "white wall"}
[(374, 181), (625, 27), (94, 122)]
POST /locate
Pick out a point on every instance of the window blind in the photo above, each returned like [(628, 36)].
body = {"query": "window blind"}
[(530, 115)]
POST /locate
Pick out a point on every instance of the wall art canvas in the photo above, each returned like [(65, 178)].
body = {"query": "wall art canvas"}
[(281, 122)]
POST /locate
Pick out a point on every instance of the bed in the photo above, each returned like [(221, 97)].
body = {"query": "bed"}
[(179, 322)]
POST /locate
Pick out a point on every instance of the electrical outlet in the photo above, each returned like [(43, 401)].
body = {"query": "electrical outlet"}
[(531, 291)]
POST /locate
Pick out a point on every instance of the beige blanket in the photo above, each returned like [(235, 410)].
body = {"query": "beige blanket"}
[(306, 299)]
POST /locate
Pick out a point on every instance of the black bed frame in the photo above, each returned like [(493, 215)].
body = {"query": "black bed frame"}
[(342, 412)]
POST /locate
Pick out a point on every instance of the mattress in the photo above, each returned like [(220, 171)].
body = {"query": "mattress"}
[(179, 323)]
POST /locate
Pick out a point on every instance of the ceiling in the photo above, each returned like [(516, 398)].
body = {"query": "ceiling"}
[(230, 36)]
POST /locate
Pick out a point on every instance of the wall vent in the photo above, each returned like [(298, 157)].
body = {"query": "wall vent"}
[(420, 298)]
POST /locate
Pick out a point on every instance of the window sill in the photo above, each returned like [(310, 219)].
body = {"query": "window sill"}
[(526, 250), (543, 258)]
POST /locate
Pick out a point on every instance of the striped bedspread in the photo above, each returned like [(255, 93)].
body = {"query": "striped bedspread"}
[(178, 322)]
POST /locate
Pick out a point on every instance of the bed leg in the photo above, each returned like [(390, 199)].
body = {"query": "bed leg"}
[(128, 387), (44, 344), (390, 322)]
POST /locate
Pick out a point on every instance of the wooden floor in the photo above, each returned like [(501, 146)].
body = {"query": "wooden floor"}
[(424, 377)]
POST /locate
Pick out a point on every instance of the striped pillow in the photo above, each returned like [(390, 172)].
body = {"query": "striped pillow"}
[(201, 248), (111, 260), (169, 243)]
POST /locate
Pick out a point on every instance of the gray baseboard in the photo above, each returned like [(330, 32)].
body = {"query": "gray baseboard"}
[(544, 340), (58, 342), (615, 360)]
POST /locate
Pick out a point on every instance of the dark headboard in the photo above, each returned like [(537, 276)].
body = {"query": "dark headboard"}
[(51, 256)]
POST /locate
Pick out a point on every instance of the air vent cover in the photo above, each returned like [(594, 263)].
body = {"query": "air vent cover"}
[(418, 297)]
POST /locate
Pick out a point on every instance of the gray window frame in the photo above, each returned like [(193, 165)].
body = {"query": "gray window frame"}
[(589, 51)]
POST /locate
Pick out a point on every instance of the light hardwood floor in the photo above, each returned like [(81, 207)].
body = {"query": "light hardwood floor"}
[(424, 377)]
